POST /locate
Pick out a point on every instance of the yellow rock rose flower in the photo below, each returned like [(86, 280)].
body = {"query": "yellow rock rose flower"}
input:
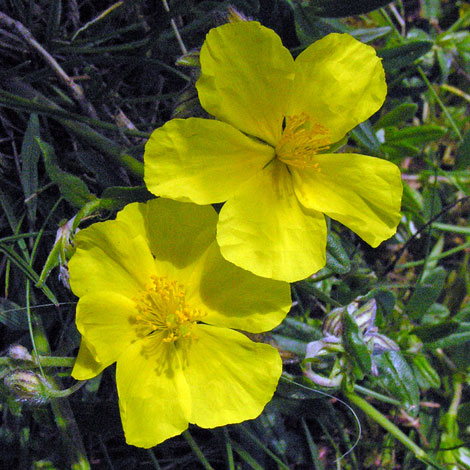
[(157, 298), (267, 154)]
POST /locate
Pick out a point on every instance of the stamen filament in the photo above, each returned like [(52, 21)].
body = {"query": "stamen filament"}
[(301, 140)]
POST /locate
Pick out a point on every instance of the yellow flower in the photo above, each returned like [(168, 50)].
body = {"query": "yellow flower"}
[(157, 298), (267, 154)]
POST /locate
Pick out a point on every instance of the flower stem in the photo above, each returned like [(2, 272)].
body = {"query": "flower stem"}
[(379, 418), (63, 414), (45, 361), (195, 448)]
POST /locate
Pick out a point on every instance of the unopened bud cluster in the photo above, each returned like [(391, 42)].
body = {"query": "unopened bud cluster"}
[(332, 343)]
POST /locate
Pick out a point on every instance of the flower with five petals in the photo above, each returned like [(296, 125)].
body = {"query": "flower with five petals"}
[(157, 298), (267, 153)]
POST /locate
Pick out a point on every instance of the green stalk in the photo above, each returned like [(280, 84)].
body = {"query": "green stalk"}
[(440, 103), (195, 448), (63, 415), (380, 419), (45, 361), (377, 396)]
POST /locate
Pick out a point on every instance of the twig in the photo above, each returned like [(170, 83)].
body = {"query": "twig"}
[(175, 29), (29, 38)]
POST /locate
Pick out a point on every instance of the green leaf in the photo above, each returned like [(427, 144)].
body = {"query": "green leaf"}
[(425, 374), (412, 200), (461, 337), (354, 345), (367, 35), (414, 135), (337, 259), (398, 379), (398, 115), (12, 315), (462, 159), (399, 57), (426, 293), (399, 150), (384, 298), (341, 8), (364, 134), (430, 333), (432, 203), (29, 166), (463, 415), (116, 197), (298, 330), (72, 188)]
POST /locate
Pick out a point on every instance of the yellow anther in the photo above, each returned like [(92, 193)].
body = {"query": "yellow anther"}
[(301, 140), (162, 307)]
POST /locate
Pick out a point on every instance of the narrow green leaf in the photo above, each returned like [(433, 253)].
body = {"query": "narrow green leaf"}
[(399, 57), (337, 259), (461, 337), (398, 379), (72, 188), (355, 346), (451, 228), (364, 134), (29, 166), (397, 116), (462, 159), (117, 197), (414, 135), (433, 257), (426, 293), (384, 298), (399, 150), (12, 315), (298, 329), (367, 35), (430, 333), (432, 204), (426, 375)]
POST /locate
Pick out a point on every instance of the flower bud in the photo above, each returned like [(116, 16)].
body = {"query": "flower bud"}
[(333, 323), (28, 387), (234, 16), (19, 353)]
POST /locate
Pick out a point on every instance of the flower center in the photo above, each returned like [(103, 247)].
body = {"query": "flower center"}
[(162, 308), (301, 140)]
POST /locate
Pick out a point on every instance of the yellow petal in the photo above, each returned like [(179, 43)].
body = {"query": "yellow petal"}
[(235, 298), (86, 366), (263, 228), (339, 82), (246, 77), (154, 399), (102, 316), (230, 377), (178, 233), (201, 160), (363, 193), (109, 257)]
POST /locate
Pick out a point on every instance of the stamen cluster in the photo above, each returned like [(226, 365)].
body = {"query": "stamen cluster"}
[(301, 140), (162, 307)]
